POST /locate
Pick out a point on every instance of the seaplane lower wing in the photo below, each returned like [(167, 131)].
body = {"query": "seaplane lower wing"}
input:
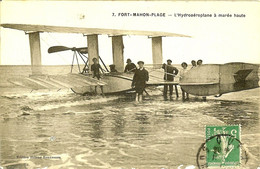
[(153, 80), (121, 82), (216, 79), (36, 82)]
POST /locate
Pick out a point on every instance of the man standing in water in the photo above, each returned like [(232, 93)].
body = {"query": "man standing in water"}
[(184, 70), (95, 69), (140, 79), (169, 73)]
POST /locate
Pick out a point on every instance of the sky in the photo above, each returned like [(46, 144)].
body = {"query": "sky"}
[(214, 39)]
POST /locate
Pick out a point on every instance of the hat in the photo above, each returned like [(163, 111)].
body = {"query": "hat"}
[(112, 65), (169, 60), (128, 60), (94, 59), (140, 62)]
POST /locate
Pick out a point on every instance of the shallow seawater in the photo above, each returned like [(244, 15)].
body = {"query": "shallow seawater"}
[(65, 130)]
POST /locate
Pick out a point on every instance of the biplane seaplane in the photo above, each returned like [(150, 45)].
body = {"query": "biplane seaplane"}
[(204, 80)]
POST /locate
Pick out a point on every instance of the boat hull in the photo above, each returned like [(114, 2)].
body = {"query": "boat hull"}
[(114, 84), (216, 79)]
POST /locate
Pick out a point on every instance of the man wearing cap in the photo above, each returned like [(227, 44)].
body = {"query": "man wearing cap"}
[(95, 69), (140, 79), (113, 68), (130, 67), (169, 73)]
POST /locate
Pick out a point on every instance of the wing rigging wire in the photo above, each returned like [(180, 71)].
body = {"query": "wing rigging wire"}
[(62, 57)]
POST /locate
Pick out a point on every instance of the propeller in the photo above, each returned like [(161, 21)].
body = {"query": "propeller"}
[(54, 49)]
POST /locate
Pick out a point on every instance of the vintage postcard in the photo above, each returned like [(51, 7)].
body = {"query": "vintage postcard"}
[(129, 84)]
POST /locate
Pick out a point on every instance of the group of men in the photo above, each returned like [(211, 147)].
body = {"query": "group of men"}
[(141, 76), (170, 72)]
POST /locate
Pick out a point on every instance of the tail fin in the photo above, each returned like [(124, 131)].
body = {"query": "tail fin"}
[(241, 75)]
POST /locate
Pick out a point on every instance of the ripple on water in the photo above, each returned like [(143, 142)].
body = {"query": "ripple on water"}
[(115, 132)]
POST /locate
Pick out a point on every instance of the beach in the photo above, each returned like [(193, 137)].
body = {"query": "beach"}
[(60, 129)]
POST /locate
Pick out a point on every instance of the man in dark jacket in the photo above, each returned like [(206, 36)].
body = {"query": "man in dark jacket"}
[(95, 69), (169, 73), (140, 79), (130, 67), (113, 68)]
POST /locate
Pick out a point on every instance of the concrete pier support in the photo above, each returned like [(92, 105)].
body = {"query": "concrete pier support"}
[(35, 49), (118, 52), (92, 48), (157, 51)]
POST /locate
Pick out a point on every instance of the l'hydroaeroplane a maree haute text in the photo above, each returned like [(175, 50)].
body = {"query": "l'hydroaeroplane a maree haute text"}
[(204, 80)]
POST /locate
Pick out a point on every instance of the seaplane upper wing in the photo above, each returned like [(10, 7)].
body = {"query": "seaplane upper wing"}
[(64, 29), (36, 82)]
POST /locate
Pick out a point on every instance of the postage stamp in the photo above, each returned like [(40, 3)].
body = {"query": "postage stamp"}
[(223, 146)]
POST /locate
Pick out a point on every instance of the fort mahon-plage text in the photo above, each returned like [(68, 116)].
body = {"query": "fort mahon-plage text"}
[(179, 15)]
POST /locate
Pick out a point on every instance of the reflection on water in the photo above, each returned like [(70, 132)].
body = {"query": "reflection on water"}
[(113, 132), (118, 124), (96, 125), (236, 112)]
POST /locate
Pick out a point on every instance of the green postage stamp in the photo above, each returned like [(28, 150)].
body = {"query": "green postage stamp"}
[(223, 146)]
